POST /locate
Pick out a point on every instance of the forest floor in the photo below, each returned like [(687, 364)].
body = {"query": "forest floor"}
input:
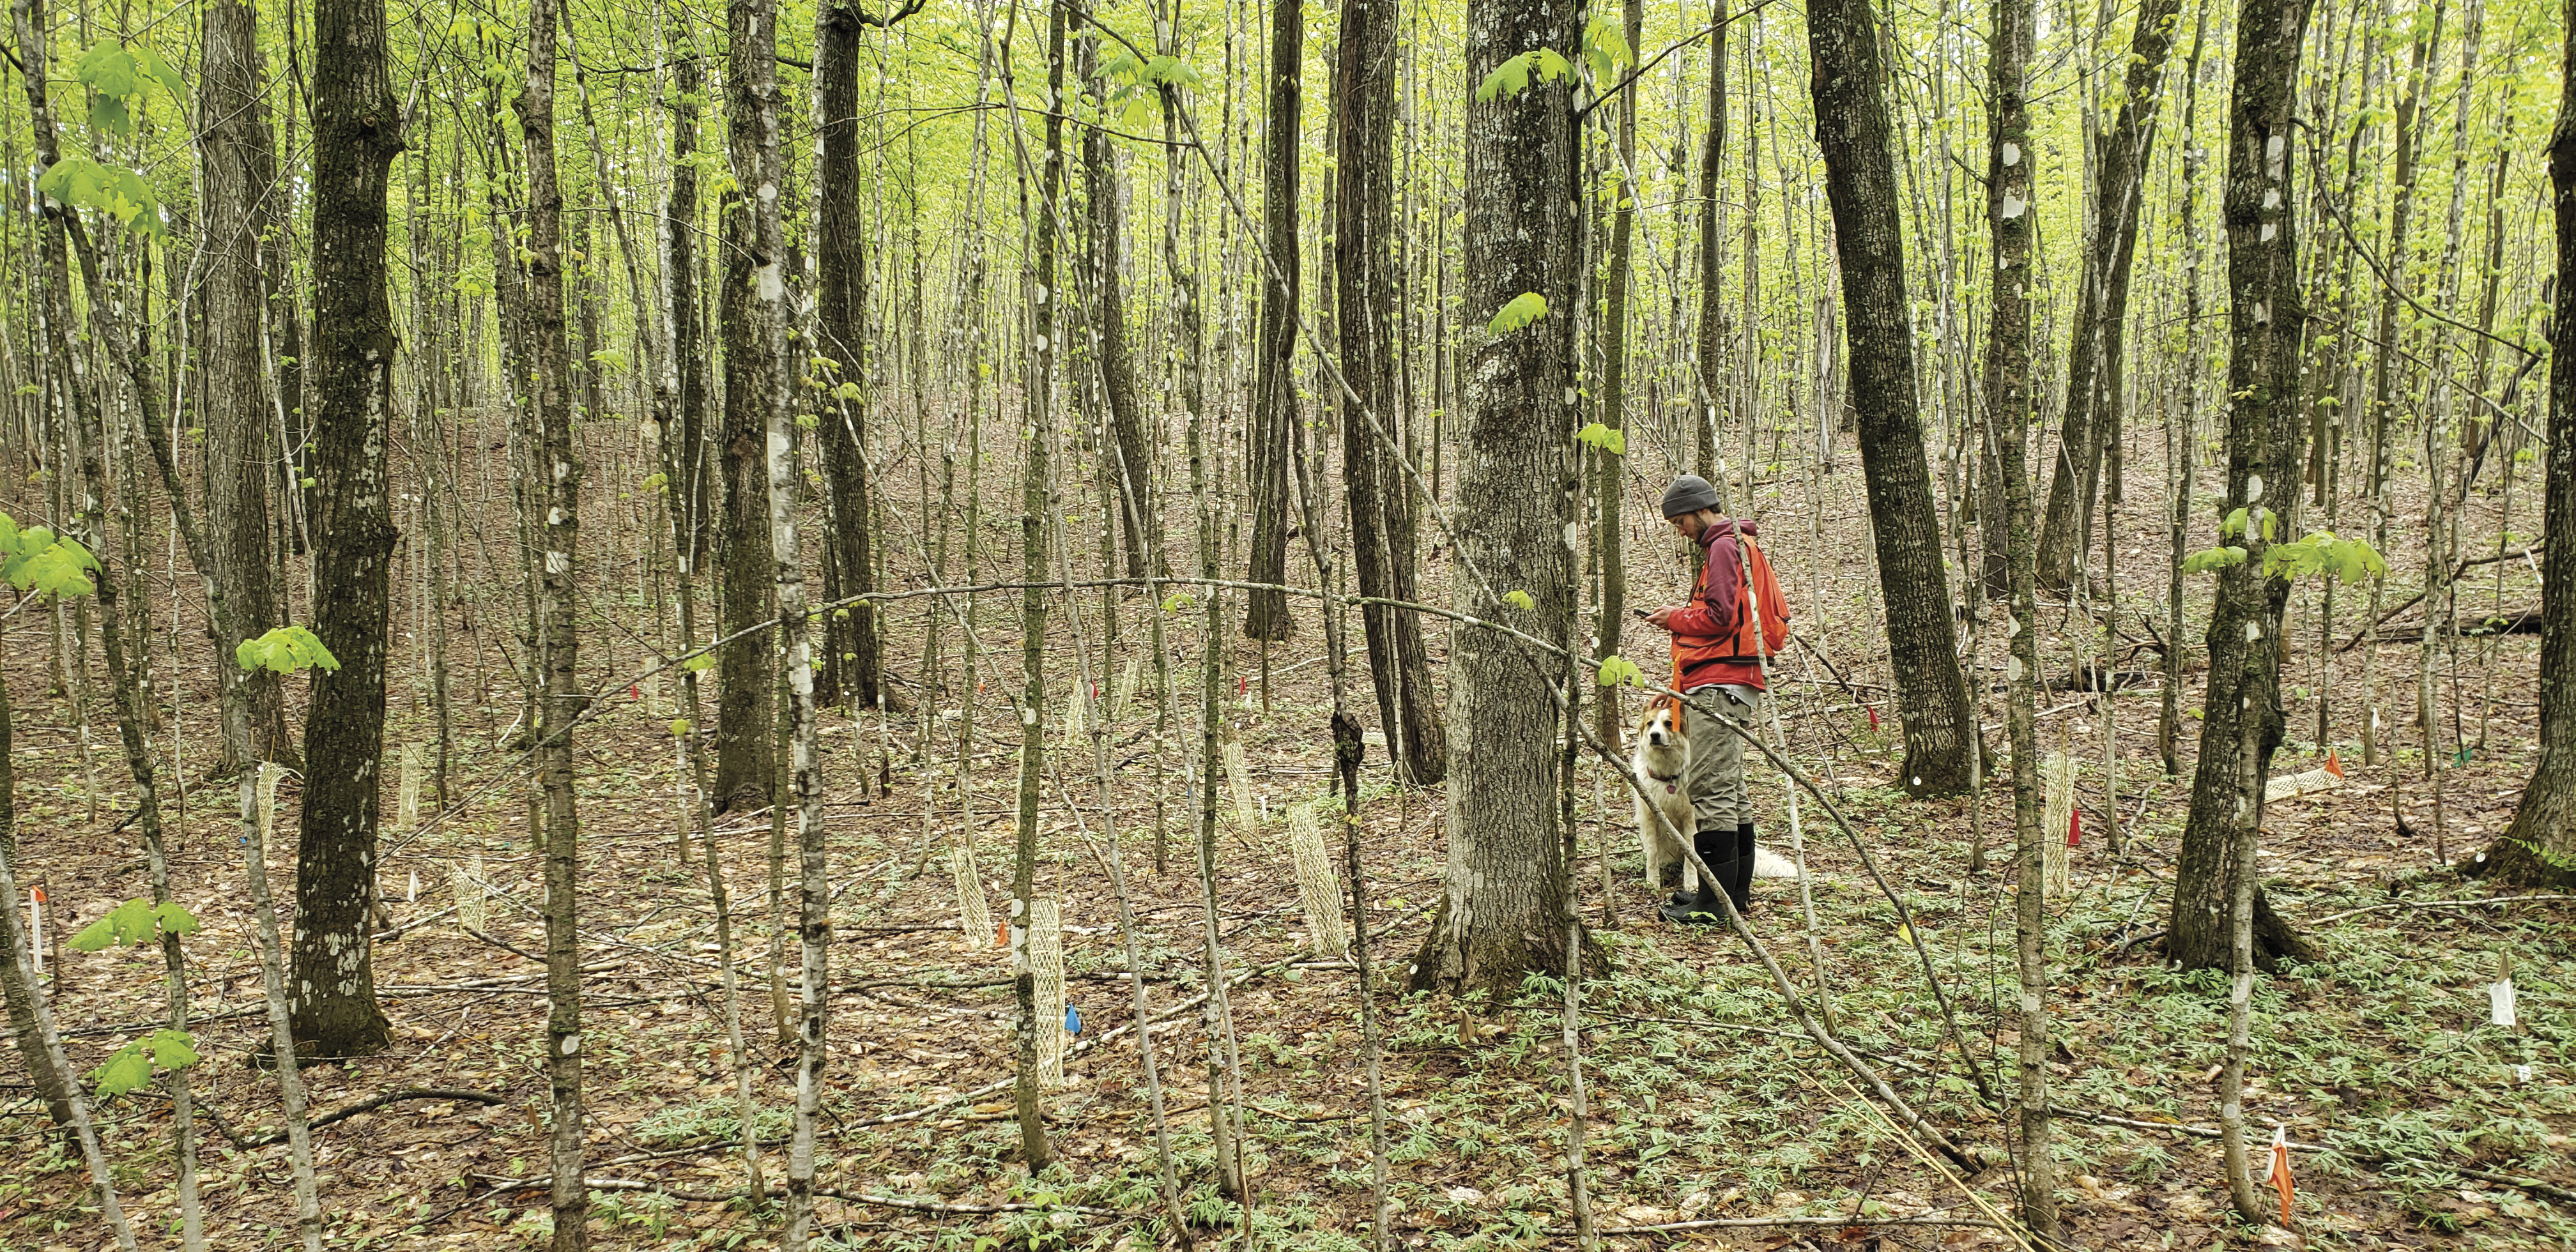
[(2418, 1123)]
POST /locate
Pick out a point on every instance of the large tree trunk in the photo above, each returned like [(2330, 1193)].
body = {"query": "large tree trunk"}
[(1275, 440), (2539, 848), (1502, 911), (1372, 472), (2102, 298), (850, 660), (356, 135), (753, 315), (237, 169), (2241, 721), (1860, 181)]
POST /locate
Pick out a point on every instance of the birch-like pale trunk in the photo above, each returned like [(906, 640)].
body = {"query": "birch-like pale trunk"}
[(805, 791)]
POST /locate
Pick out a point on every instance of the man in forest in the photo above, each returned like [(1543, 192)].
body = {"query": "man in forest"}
[(1734, 618)]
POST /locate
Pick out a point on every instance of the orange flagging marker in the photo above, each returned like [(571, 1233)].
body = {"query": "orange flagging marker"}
[(2281, 1170)]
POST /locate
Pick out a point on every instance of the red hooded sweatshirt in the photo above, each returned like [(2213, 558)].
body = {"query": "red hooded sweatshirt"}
[(1707, 628)]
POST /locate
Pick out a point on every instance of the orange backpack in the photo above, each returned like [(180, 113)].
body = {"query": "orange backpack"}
[(1765, 605)]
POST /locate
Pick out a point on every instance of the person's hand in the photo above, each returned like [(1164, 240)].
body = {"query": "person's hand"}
[(1661, 619)]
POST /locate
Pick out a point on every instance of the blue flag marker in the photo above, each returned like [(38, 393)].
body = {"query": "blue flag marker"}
[(1072, 1020)]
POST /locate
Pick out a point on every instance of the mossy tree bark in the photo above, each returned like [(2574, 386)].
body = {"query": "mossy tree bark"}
[(2008, 411), (549, 410), (1713, 328), (1139, 517), (1609, 526)]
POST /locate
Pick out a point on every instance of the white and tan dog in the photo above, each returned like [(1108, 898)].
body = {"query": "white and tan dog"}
[(1666, 822)]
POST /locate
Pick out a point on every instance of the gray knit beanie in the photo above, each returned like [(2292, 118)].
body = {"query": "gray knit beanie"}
[(1689, 494)]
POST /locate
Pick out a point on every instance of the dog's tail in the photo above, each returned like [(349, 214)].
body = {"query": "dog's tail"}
[(1770, 864)]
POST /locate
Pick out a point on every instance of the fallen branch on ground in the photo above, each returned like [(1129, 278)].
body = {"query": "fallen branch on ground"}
[(2435, 904), (351, 1111), (1741, 1223)]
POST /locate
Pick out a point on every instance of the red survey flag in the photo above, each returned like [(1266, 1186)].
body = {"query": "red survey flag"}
[(2074, 827), (2281, 1169)]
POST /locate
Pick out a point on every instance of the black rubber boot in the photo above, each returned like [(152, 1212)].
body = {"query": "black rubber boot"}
[(1716, 847), (1701, 908), (1739, 883)]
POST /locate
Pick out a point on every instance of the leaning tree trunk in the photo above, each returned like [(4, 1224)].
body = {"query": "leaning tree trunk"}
[(2241, 721), (2008, 410), (2102, 298), (356, 135), (1372, 470), (754, 322), (1860, 181), (2539, 848), (850, 660), (1274, 386), (1502, 912), (237, 167)]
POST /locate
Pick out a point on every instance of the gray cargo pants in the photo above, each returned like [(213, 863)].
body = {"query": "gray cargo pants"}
[(1716, 769)]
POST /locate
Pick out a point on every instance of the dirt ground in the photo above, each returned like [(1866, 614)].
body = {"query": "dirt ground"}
[(2417, 1123)]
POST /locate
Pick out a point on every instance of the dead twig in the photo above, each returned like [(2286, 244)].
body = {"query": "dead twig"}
[(372, 1103), (2438, 904)]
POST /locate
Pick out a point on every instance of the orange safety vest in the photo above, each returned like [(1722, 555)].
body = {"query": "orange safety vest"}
[(1762, 626)]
